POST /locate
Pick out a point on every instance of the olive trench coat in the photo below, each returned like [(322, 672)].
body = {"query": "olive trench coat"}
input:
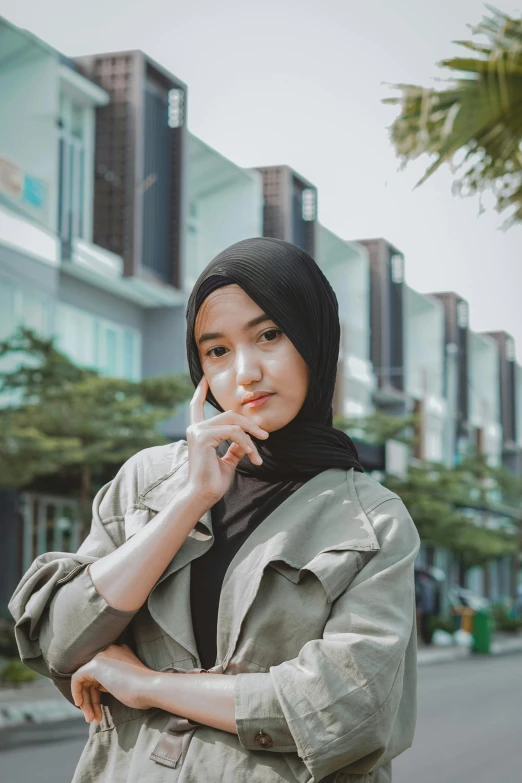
[(316, 621)]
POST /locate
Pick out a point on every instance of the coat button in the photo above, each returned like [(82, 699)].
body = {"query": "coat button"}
[(265, 740)]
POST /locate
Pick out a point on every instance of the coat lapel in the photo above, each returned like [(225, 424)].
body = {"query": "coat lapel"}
[(323, 514), (169, 599)]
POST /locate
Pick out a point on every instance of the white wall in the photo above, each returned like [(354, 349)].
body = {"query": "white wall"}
[(218, 220), (225, 205), (346, 266), (29, 100), (424, 365)]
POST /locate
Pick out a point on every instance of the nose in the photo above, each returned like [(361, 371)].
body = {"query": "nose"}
[(248, 367)]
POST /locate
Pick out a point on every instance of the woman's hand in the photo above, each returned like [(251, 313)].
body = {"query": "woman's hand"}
[(115, 670), (210, 475)]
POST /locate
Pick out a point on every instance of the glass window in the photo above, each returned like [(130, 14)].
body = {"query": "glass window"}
[(462, 314), (71, 180), (7, 317), (77, 122), (20, 306), (98, 343), (111, 352), (176, 107), (129, 353), (309, 204), (35, 312), (397, 268)]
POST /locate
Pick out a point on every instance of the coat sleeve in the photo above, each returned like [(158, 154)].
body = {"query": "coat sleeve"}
[(336, 704), (61, 621)]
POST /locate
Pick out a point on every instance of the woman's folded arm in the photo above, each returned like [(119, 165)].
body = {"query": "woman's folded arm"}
[(61, 620), (68, 607)]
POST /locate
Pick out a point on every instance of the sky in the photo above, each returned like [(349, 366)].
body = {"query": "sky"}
[(301, 82)]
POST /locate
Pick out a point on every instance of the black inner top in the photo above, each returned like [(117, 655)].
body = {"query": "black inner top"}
[(247, 502)]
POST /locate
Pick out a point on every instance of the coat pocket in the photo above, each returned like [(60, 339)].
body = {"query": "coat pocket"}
[(335, 568)]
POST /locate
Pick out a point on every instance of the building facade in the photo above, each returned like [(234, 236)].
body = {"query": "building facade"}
[(109, 210), (424, 371)]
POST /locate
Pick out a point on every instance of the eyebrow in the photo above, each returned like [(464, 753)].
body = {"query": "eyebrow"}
[(254, 322)]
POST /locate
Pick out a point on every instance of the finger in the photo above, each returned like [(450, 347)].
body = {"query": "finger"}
[(235, 453), (237, 418), (233, 456), (96, 703), (77, 690), (197, 403), (87, 705), (235, 433)]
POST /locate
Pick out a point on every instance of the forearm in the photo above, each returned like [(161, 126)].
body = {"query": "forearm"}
[(203, 698), (126, 576)]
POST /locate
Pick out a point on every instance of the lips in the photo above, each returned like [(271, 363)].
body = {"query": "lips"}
[(254, 402)]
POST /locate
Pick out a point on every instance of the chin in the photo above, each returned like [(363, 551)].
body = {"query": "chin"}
[(270, 423)]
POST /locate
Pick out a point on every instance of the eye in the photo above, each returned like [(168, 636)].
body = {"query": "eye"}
[(275, 332), (218, 348), (272, 331)]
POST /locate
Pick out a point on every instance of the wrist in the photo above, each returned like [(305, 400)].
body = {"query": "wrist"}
[(194, 502), (151, 689)]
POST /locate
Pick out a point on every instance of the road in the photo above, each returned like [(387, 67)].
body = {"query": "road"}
[(468, 726), (468, 731)]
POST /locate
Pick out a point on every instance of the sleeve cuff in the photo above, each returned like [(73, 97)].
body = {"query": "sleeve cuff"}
[(260, 721), (81, 624)]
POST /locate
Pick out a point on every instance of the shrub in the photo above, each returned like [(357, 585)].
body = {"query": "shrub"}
[(15, 672), (503, 620), (442, 623), (8, 648)]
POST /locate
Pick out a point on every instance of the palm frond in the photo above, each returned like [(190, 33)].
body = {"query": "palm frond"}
[(478, 112)]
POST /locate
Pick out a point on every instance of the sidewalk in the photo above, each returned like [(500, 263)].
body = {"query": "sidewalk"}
[(35, 702), (502, 644)]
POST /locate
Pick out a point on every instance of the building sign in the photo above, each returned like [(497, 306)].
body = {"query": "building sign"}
[(11, 179), (21, 188)]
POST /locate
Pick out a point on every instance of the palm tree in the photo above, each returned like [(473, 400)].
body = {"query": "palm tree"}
[(478, 116)]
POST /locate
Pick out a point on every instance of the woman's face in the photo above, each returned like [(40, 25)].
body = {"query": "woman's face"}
[(243, 352)]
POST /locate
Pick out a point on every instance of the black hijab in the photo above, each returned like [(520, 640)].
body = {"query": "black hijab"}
[(289, 286)]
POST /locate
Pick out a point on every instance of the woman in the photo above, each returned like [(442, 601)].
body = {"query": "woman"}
[(256, 548)]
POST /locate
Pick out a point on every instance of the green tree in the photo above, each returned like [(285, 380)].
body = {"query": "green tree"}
[(472, 508), (379, 427), (462, 508), (478, 115), (61, 417)]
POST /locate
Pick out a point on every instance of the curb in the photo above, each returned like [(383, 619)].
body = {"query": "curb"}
[(23, 713), (440, 655), (37, 733)]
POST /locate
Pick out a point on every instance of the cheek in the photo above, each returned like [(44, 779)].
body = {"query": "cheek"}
[(293, 371), (222, 384)]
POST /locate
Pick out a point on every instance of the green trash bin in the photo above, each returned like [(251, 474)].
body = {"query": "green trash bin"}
[(482, 631)]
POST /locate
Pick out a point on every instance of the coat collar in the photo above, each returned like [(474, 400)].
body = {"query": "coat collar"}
[(335, 484)]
